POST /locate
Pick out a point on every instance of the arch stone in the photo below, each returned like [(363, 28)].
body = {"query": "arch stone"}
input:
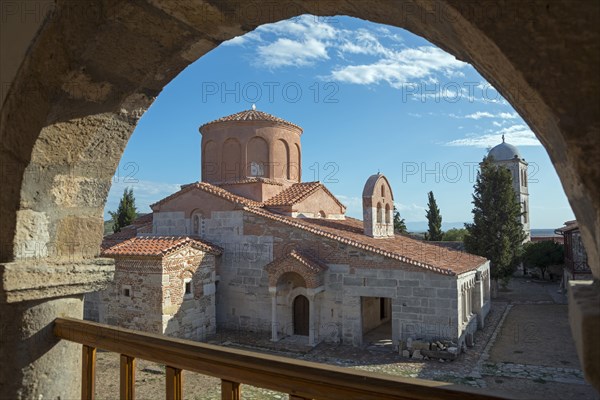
[(64, 125)]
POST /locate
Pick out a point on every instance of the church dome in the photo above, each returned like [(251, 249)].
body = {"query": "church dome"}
[(504, 151)]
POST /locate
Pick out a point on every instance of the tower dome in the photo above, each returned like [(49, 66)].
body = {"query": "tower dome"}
[(251, 145), (504, 152)]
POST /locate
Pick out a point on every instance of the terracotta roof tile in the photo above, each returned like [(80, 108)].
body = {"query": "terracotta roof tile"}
[(411, 251), (212, 189), (142, 224), (314, 265), (298, 192), (158, 246), (252, 115)]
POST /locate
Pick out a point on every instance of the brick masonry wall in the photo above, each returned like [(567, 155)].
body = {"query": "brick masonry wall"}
[(189, 316)]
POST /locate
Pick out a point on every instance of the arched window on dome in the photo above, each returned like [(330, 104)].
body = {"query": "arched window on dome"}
[(379, 213), (388, 214), (256, 169)]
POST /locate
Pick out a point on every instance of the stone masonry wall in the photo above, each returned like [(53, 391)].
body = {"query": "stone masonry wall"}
[(141, 310)]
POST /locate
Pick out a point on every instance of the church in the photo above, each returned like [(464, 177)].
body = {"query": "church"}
[(252, 247)]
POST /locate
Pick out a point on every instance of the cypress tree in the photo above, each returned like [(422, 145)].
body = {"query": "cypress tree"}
[(434, 220), (496, 232), (126, 212), (399, 224)]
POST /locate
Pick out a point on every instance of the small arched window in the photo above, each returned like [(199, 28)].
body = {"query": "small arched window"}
[(379, 213), (198, 224), (322, 214), (388, 214), (382, 191)]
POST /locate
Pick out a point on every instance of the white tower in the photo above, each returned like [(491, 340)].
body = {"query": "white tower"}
[(509, 157)]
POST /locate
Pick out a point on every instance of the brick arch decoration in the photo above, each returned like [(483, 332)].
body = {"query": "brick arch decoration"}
[(310, 269), (71, 99)]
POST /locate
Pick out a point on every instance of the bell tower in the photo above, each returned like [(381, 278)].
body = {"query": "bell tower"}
[(378, 207)]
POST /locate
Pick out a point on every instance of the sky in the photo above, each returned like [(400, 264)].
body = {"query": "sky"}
[(370, 98)]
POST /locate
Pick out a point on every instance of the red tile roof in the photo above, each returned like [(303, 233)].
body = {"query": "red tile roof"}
[(310, 262), (414, 252), (158, 246), (142, 224), (298, 192), (212, 189), (252, 115)]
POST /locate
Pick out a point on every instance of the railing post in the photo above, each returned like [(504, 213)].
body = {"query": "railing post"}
[(230, 390), (174, 383), (127, 377), (88, 372)]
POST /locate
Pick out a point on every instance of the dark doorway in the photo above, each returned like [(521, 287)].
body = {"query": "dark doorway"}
[(301, 316)]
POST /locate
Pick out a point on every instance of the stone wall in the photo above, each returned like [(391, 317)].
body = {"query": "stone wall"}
[(141, 310)]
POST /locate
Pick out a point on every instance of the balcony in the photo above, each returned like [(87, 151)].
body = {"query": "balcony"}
[(300, 379)]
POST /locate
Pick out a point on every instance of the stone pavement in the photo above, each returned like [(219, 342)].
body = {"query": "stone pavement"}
[(475, 367)]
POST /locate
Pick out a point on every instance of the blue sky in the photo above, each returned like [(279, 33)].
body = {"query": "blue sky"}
[(369, 97)]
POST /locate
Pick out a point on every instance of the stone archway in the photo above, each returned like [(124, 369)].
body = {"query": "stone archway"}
[(74, 98)]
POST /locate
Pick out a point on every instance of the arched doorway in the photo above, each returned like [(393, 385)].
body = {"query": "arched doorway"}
[(301, 315)]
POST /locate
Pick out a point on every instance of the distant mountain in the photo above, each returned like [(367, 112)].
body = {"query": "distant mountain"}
[(421, 226)]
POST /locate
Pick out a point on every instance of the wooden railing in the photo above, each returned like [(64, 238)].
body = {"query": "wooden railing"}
[(300, 379)]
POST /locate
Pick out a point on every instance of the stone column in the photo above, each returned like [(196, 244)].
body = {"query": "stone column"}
[(311, 320), (35, 364), (478, 295), (274, 334)]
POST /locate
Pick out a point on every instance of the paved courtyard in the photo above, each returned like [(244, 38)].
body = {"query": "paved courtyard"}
[(525, 351)]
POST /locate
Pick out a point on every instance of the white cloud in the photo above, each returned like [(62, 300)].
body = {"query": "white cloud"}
[(486, 114), (287, 52), (518, 135), (411, 212)]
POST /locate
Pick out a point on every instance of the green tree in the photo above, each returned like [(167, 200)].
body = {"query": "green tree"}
[(542, 255), (126, 212), (399, 224), (454, 235), (434, 220), (496, 232)]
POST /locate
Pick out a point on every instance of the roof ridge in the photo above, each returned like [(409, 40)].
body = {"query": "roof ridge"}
[(352, 242), (212, 189)]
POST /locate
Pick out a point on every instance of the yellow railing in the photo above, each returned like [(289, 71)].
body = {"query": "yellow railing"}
[(300, 379)]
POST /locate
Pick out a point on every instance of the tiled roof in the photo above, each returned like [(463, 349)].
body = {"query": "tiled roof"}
[(298, 192), (310, 262), (252, 115), (142, 224), (158, 246), (414, 252), (249, 180), (569, 226), (217, 191)]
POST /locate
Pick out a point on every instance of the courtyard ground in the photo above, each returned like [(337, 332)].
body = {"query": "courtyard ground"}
[(525, 351)]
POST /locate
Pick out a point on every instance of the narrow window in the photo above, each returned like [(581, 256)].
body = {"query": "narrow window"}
[(188, 289), (379, 213), (382, 191), (127, 292)]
